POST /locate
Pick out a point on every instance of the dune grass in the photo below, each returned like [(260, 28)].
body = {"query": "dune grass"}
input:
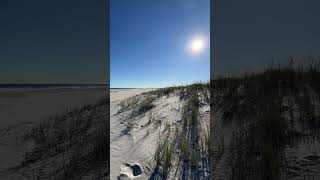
[(164, 155), (257, 148), (71, 145), (186, 147)]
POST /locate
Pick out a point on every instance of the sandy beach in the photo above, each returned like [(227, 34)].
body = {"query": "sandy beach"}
[(119, 147), (19, 111), (18, 107)]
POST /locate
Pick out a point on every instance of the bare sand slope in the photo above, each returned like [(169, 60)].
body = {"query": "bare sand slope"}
[(142, 124), (119, 146), (20, 111)]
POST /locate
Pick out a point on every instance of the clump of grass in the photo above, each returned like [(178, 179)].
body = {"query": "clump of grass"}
[(184, 148), (164, 155), (139, 105), (128, 104), (165, 91), (145, 105), (168, 155), (194, 104)]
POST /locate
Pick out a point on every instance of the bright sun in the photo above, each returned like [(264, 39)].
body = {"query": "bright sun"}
[(196, 45)]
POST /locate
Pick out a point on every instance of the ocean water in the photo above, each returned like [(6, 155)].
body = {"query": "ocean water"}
[(41, 87)]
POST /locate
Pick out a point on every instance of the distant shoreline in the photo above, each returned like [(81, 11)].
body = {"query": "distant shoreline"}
[(45, 87), (129, 88)]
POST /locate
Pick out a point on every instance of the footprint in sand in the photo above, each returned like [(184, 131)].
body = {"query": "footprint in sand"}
[(130, 171)]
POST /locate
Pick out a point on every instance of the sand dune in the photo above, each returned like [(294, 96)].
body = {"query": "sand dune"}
[(20, 111), (141, 121)]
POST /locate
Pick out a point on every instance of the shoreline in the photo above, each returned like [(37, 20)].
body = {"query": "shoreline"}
[(50, 88)]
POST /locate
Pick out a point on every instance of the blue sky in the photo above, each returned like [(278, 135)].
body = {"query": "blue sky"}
[(53, 41), (149, 42), (248, 33)]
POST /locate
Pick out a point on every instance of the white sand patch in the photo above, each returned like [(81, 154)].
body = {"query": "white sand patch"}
[(119, 145)]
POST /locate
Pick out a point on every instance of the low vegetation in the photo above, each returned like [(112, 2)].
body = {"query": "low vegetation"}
[(71, 145), (164, 155), (271, 111), (184, 149)]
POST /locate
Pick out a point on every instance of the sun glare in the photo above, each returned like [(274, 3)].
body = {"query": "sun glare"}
[(196, 45)]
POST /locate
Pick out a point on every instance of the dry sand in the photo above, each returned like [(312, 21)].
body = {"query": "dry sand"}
[(119, 146), (20, 110), (132, 153)]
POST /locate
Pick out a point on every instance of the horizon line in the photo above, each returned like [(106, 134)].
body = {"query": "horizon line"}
[(52, 84)]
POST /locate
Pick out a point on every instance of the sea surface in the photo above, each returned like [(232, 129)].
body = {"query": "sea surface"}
[(41, 87)]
